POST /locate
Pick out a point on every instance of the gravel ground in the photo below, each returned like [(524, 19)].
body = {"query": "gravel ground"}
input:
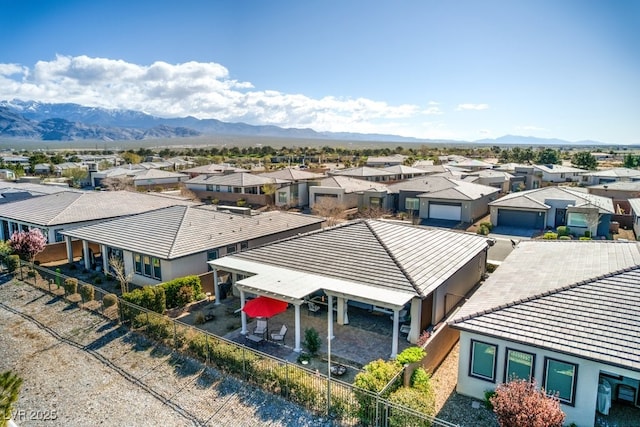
[(80, 369)]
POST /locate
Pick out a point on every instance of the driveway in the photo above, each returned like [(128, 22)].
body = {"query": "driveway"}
[(509, 232)]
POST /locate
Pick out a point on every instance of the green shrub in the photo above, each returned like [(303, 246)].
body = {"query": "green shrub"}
[(198, 346), (199, 319), (550, 235), (488, 394), (412, 398), (70, 286), (12, 262), (31, 273), (157, 328), (184, 296), (563, 230), (587, 234), (373, 378), (564, 238), (109, 300), (312, 341), (149, 297), (421, 380), (487, 225), (411, 355), (172, 290), (482, 230), (584, 238), (241, 202), (97, 280), (87, 293)]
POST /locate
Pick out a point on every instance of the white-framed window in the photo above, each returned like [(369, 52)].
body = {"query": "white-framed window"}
[(482, 364), (412, 204), (59, 237), (519, 365), (146, 265), (560, 379), (282, 197), (577, 219)]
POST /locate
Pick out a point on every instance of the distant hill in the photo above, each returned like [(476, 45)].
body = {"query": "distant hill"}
[(68, 122)]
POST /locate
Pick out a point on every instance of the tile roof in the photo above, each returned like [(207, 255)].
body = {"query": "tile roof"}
[(537, 198), (440, 187), (177, 231), (70, 207), (214, 169), (558, 169), (635, 206), (379, 253), (590, 307), (237, 179), (615, 172), (362, 171), (290, 174), (403, 169), (351, 185), (619, 185)]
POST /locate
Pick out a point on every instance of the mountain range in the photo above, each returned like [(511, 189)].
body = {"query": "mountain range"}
[(67, 122)]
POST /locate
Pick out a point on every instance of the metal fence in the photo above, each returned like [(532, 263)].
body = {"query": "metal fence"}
[(344, 403)]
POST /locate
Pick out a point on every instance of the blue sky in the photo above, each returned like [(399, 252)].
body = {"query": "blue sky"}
[(461, 70)]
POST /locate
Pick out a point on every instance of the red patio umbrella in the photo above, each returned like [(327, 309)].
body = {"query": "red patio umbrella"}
[(264, 307)]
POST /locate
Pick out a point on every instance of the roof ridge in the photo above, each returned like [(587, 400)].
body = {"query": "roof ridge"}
[(547, 293), (63, 193), (392, 256), (175, 236)]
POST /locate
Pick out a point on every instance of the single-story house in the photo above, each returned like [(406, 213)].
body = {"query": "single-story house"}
[(397, 269), (364, 172), (559, 173), (213, 169), (610, 175), (470, 164), (439, 197), (295, 183), (350, 193), (525, 177), (176, 241), (572, 327), (402, 172), (383, 161), (552, 207), (54, 213), (635, 212), (494, 178), (7, 174), (232, 187), (141, 178)]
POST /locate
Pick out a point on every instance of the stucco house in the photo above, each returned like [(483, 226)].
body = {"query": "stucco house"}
[(176, 241), (402, 172), (610, 175), (294, 185), (54, 213), (552, 207), (140, 178), (350, 193), (559, 173), (384, 161), (365, 173), (231, 187), (635, 213), (387, 267), (573, 328), (440, 197)]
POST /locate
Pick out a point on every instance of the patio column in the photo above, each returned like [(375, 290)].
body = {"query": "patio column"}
[(416, 311), (343, 317), (85, 254), (394, 339), (297, 347), (243, 315), (216, 288), (69, 245), (105, 259), (330, 335)]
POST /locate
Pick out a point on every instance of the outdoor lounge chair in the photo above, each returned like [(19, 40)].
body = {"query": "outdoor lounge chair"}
[(279, 336), (261, 327), (313, 307)]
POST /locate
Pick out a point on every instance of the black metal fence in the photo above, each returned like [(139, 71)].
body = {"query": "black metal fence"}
[(342, 402)]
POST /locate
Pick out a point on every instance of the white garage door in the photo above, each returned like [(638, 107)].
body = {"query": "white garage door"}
[(451, 212)]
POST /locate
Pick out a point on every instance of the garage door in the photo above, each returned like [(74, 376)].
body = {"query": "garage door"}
[(521, 219), (440, 211)]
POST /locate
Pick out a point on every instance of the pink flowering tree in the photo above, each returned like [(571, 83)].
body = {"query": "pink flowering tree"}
[(28, 244), (521, 403)]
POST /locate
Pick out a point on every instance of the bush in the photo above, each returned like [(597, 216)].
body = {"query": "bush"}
[(563, 230), (587, 234), (584, 238), (564, 238), (488, 394), (173, 287), (373, 378), (109, 300), (550, 235), (70, 286), (87, 293), (198, 346), (521, 403), (13, 262), (184, 296), (411, 355), (487, 225), (482, 230), (199, 318), (421, 380), (149, 297), (312, 341), (412, 398), (97, 280)]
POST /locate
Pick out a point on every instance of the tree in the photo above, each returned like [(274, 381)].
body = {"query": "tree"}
[(10, 385), (117, 267), (270, 190), (631, 161), (76, 175), (130, 157), (521, 403), (5, 251), (329, 207), (28, 244), (584, 160), (548, 156), (119, 183)]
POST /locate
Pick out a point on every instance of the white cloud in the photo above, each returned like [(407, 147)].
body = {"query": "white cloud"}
[(202, 90), (474, 107)]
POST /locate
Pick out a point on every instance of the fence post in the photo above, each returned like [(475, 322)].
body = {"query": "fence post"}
[(175, 336), (286, 376), (207, 359), (244, 362)]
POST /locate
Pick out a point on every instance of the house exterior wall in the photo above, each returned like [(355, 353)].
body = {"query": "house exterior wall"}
[(297, 194), (470, 210), (588, 373), (349, 200), (455, 289), (614, 194)]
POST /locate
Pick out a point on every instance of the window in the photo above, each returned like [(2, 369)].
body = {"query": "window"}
[(412, 204), (577, 219), (244, 246), (375, 201), (59, 237), (483, 360), (137, 262), (209, 187), (560, 378), (146, 260), (217, 188), (282, 197), (157, 271), (231, 249), (519, 365), (212, 254)]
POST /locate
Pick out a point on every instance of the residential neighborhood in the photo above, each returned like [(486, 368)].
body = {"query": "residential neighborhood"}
[(519, 271)]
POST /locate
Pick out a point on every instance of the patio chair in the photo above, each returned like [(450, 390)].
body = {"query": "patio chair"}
[(279, 336), (261, 327), (313, 307)]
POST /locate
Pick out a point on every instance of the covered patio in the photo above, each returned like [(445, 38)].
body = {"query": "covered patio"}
[(297, 287)]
